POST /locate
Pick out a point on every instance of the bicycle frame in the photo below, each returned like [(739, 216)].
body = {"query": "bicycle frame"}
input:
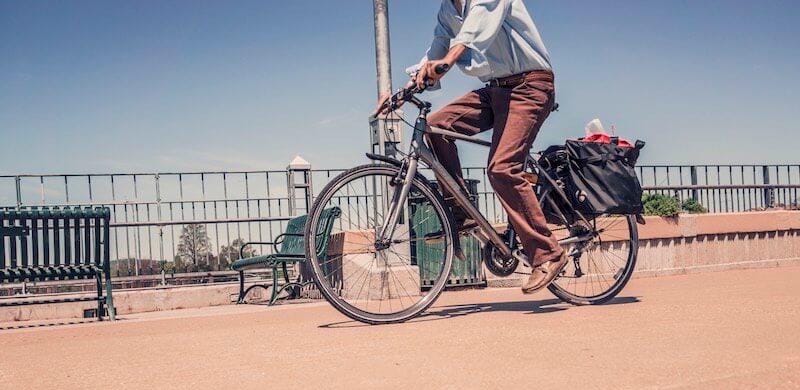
[(419, 151)]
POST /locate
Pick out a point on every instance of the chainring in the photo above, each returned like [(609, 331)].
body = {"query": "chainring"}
[(497, 265)]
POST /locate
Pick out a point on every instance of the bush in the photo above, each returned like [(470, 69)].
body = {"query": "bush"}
[(661, 205), (692, 206)]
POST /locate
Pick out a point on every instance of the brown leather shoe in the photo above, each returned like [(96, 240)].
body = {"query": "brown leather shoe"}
[(544, 274)]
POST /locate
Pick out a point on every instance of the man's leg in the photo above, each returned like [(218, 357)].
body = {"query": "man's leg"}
[(519, 114), (469, 115)]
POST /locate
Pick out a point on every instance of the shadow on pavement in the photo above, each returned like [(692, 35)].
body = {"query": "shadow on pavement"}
[(48, 324), (453, 311)]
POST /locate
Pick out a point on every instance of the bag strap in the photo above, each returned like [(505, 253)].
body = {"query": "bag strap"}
[(602, 159)]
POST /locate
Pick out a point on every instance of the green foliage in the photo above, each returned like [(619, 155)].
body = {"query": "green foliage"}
[(670, 206), (692, 206), (661, 205)]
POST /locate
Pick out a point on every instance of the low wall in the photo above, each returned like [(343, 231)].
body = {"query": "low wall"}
[(667, 246), (133, 301), (710, 242)]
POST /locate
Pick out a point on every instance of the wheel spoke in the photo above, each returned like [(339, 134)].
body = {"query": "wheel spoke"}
[(612, 250), (381, 280)]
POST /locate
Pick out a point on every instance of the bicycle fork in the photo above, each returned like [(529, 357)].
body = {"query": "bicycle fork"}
[(398, 200)]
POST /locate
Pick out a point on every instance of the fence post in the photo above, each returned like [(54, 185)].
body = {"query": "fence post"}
[(17, 184), (301, 168), (693, 173), (160, 220), (769, 198)]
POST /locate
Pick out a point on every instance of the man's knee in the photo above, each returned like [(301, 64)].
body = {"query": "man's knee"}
[(438, 120), (502, 174)]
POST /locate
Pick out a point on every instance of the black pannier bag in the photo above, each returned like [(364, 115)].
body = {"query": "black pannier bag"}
[(601, 178)]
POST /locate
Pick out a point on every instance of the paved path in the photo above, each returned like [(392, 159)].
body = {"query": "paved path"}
[(714, 330)]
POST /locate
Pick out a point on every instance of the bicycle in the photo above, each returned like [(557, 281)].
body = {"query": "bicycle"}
[(373, 256)]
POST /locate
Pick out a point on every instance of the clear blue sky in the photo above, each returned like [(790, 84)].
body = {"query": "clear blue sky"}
[(101, 86)]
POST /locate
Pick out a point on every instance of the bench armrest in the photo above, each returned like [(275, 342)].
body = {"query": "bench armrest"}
[(246, 244)]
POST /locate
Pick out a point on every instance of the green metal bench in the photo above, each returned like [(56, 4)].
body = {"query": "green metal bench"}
[(288, 248), (48, 244)]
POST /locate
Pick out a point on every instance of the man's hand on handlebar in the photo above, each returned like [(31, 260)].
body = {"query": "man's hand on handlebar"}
[(431, 72), (390, 102), (383, 102)]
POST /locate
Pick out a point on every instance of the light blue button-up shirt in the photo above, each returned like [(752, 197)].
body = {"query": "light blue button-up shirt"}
[(500, 36)]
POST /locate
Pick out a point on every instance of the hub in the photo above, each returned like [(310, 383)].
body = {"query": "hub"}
[(382, 245)]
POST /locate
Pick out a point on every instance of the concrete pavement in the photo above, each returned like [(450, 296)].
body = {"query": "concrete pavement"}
[(713, 330)]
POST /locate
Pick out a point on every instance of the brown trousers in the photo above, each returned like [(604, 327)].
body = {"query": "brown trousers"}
[(516, 114)]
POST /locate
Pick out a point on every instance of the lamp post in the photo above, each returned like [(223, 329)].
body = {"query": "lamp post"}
[(385, 133)]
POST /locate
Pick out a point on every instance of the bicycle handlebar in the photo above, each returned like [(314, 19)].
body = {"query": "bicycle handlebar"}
[(407, 94)]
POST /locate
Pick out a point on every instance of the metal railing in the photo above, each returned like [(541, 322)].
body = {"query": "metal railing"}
[(726, 188), (151, 211)]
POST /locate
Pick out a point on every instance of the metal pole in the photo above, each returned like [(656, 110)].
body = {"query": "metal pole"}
[(160, 227), (769, 195), (382, 50), (18, 187), (383, 65)]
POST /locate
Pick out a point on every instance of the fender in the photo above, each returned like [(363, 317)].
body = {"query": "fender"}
[(385, 159)]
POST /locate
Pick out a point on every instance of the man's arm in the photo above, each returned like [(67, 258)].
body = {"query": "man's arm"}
[(439, 47), (484, 20), (481, 26)]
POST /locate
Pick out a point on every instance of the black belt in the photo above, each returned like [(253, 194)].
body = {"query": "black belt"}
[(508, 81)]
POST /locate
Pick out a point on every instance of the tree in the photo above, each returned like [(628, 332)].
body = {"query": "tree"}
[(229, 254), (193, 246)]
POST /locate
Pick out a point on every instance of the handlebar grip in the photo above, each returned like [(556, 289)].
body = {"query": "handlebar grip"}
[(441, 69)]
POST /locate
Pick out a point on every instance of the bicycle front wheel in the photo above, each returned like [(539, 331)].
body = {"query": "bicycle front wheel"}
[(375, 279)]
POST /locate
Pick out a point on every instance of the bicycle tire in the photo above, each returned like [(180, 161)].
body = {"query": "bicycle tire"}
[(316, 265), (620, 282)]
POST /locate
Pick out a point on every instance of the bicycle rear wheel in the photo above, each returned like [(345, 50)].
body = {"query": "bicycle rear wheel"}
[(380, 281), (599, 269)]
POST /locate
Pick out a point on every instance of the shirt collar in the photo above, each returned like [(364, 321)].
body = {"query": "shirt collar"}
[(463, 7)]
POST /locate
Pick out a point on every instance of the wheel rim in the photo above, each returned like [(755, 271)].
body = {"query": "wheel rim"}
[(605, 263), (381, 281)]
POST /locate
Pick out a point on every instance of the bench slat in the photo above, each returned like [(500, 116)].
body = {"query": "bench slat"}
[(97, 221), (46, 238), (35, 239), (23, 242), (77, 236), (12, 244), (56, 241), (87, 237), (106, 260), (2, 243), (67, 228)]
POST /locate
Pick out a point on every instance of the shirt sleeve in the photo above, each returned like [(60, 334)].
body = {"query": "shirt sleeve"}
[(483, 22), (438, 49)]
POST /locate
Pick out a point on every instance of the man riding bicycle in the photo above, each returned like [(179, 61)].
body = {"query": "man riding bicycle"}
[(498, 42)]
